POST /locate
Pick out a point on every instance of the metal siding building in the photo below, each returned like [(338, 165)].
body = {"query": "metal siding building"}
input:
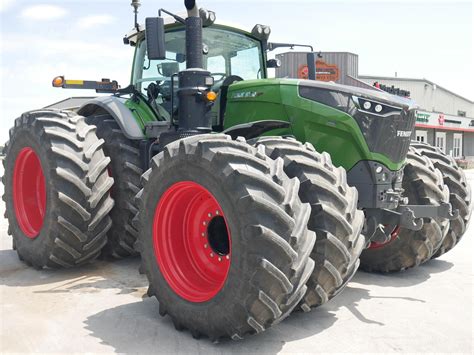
[(428, 95), (347, 65), (445, 119)]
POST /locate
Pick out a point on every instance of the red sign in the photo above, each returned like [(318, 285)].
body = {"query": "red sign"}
[(441, 119), (324, 71)]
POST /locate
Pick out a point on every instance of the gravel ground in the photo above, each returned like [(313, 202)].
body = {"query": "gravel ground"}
[(103, 307)]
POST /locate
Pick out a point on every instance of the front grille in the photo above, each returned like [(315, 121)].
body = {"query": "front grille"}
[(389, 135), (386, 131)]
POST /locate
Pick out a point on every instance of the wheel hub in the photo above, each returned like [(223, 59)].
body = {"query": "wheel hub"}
[(192, 242), (29, 192)]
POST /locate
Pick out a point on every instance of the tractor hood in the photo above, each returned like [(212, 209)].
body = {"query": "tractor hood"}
[(375, 95), (309, 88), (385, 120), (366, 124)]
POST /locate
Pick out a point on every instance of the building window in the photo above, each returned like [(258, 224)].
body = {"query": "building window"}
[(421, 136), (461, 113), (457, 145), (440, 141)]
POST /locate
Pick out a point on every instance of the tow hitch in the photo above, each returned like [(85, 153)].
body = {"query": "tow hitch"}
[(381, 222)]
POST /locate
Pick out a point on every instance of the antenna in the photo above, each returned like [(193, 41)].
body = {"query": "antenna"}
[(136, 4)]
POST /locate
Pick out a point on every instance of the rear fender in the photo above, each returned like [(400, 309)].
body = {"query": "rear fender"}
[(118, 110)]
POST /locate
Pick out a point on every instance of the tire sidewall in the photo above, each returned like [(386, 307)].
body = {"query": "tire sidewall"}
[(37, 248), (204, 314)]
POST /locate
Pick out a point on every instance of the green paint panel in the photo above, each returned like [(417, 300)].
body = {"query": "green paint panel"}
[(328, 129), (141, 111)]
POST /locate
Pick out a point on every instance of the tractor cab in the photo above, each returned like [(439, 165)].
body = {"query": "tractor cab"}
[(229, 54)]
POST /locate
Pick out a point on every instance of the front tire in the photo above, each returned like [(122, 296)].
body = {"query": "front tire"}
[(334, 216), (459, 193), (56, 189), (261, 237), (423, 185)]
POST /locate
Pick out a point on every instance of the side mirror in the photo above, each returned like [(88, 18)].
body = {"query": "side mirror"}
[(273, 63), (311, 59), (155, 38)]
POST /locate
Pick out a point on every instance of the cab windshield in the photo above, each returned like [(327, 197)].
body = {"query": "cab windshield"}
[(228, 53)]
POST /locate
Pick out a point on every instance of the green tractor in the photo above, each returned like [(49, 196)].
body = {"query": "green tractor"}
[(213, 173)]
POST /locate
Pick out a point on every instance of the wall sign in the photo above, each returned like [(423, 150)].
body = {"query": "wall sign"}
[(422, 117), (324, 71), (442, 121), (392, 89)]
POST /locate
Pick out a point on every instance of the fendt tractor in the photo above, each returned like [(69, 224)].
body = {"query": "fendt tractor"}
[(246, 197)]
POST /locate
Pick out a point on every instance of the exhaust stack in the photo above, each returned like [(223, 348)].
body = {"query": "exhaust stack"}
[(192, 8), (194, 82), (193, 36)]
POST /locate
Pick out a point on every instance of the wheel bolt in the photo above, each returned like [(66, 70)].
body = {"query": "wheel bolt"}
[(204, 223), (205, 246), (203, 234), (212, 255), (209, 215), (227, 257), (217, 212), (220, 259)]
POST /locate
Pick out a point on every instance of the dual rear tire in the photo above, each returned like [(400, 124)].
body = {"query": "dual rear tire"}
[(125, 168), (56, 189)]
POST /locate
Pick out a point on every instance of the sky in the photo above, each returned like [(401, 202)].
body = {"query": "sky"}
[(82, 39)]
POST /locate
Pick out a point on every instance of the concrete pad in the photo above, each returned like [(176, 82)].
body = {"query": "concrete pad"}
[(103, 307)]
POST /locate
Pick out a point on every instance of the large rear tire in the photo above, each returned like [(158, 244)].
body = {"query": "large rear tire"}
[(223, 237), (56, 189), (334, 216), (423, 185), (459, 193), (125, 168)]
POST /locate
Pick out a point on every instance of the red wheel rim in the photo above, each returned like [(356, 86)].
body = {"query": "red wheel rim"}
[(393, 236), (29, 192), (192, 241)]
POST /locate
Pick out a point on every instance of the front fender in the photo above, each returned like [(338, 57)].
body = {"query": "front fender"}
[(255, 129)]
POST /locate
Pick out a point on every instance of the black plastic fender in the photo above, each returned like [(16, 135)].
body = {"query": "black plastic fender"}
[(115, 106), (255, 129)]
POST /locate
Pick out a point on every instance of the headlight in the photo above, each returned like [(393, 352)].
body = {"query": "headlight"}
[(375, 108), (261, 32)]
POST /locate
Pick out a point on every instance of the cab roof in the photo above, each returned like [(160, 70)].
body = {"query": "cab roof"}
[(136, 35)]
